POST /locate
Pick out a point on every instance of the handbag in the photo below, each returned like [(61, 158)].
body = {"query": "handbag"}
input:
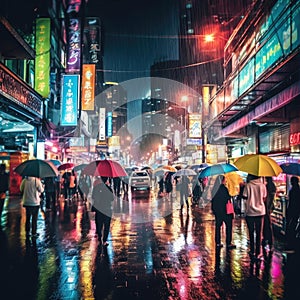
[(229, 207)]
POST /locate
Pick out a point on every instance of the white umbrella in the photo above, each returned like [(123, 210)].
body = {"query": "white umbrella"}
[(185, 172)]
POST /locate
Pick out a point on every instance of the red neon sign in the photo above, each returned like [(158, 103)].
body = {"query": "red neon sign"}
[(295, 138)]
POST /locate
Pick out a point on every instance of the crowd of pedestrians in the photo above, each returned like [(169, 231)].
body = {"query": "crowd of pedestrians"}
[(256, 193)]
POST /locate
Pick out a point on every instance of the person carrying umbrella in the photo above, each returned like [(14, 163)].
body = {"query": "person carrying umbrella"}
[(255, 193), (268, 238), (103, 198), (184, 192), (31, 187), (293, 215), (218, 205)]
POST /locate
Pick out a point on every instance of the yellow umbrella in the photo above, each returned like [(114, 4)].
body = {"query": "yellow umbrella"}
[(258, 164), (233, 181)]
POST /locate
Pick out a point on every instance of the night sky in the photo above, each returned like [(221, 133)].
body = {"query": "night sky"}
[(136, 35)]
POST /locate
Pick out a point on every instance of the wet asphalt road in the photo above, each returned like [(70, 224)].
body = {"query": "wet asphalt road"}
[(154, 252)]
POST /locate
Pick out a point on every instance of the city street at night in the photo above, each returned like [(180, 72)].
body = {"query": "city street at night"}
[(149, 150), (168, 257)]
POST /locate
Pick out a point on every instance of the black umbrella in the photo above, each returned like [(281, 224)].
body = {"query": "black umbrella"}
[(36, 168)]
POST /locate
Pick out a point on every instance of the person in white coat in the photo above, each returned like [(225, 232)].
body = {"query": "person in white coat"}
[(255, 193), (31, 188)]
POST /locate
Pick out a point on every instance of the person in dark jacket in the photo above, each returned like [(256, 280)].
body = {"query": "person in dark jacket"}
[(293, 214), (219, 201), (268, 238), (103, 197), (4, 183)]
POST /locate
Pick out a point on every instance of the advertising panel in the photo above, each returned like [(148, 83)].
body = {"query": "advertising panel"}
[(195, 126), (92, 32), (88, 87), (42, 59), (74, 42), (102, 129), (69, 101)]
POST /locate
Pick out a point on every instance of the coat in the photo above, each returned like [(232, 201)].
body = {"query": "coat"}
[(219, 201), (31, 187)]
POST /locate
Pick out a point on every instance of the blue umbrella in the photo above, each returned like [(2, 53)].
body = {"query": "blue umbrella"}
[(291, 168), (217, 169)]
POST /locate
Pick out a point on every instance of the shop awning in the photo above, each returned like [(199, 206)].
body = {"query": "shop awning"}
[(13, 46), (274, 103)]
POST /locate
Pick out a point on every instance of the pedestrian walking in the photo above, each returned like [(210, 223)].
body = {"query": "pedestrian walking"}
[(161, 184), (50, 192), (255, 193), (184, 192), (31, 187), (117, 186), (72, 184), (168, 182), (4, 185), (293, 215), (268, 237), (103, 197), (66, 184), (219, 201)]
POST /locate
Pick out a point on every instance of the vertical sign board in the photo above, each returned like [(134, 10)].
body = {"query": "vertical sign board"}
[(109, 124), (69, 102), (195, 126), (74, 42), (42, 60), (92, 38), (88, 87), (102, 136)]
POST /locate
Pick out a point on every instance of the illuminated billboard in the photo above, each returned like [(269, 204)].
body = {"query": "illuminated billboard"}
[(42, 59), (69, 101), (88, 87)]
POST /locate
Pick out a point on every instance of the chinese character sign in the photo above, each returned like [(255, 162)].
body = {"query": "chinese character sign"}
[(88, 87), (69, 102), (42, 60), (102, 129), (74, 48)]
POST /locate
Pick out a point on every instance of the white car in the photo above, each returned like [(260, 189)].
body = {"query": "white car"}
[(139, 180)]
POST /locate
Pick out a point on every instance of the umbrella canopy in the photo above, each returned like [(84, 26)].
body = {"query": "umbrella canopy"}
[(106, 167), (160, 171), (198, 167), (291, 168), (185, 172), (217, 169), (258, 165), (79, 167), (65, 166), (56, 162), (36, 168), (233, 181)]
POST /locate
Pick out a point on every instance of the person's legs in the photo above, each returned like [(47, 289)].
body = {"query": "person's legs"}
[(250, 225), (48, 200), (106, 223), (27, 222), (218, 225), (34, 213), (258, 228), (267, 231), (228, 225), (1, 207)]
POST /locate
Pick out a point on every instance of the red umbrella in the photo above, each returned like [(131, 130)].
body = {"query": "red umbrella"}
[(65, 166), (106, 167)]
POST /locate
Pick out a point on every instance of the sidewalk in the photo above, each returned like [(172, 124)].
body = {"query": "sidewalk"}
[(172, 257)]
